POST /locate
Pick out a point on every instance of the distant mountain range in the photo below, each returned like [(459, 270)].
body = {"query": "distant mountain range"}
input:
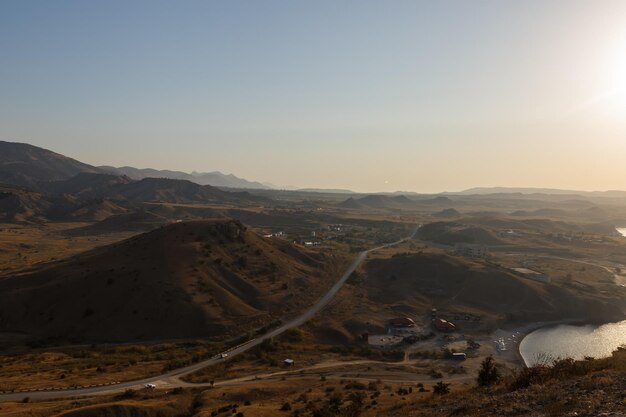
[(37, 185), (530, 190), (27, 165), (215, 178)]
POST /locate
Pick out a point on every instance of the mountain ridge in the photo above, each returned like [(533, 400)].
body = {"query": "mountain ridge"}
[(213, 178)]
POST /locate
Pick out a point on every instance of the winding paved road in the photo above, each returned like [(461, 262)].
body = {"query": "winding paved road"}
[(172, 378)]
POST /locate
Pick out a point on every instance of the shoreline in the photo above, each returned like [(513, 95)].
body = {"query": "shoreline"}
[(539, 325), (531, 327)]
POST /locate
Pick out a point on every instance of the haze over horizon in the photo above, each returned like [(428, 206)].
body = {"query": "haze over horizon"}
[(412, 96)]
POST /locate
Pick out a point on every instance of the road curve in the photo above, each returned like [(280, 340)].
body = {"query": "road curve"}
[(170, 378)]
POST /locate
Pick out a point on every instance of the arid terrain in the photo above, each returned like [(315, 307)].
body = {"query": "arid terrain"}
[(110, 282)]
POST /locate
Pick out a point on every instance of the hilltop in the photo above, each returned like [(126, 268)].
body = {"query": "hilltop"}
[(210, 279), (26, 165)]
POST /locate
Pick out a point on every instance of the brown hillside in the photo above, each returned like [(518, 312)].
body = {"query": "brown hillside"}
[(411, 284), (26, 165), (416, 282), (19, 205), (209, 278), (450, 233), (140, 220), (88, 185)]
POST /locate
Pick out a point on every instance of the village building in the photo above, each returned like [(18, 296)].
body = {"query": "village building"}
[(443, 325)]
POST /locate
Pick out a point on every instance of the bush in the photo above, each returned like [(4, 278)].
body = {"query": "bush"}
[(294, 335), (488, 374), (562, 369), (355, 385), (285, 407), (441, 388), (435, 374), (129, 393)]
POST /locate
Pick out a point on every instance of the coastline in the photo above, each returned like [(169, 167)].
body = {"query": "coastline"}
[(571, 322), (531, 327)]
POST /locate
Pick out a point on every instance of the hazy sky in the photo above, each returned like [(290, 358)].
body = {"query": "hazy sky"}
[(372, 96)]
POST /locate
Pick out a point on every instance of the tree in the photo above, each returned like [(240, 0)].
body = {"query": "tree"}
[(488, 374), (441, 388)]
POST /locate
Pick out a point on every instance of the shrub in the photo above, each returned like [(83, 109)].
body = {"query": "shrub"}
[(488, 374), (285, 407), (435, 374), (441, 388), (294, 335), (129, 393)]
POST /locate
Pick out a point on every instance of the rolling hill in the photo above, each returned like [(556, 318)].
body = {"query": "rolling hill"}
[(19, 205), (450, 233), (87, 185), (448, 213), (411, 284), (377, 202), (211, 278), (163, 190), (26, 165)]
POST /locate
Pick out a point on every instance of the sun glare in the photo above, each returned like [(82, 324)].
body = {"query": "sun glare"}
[(618, 77)]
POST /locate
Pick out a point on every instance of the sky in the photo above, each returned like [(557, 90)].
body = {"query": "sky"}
[(367, 95)]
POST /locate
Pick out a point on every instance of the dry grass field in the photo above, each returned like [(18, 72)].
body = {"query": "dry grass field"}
[(24, 246), (71, 366), (584, 388)]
